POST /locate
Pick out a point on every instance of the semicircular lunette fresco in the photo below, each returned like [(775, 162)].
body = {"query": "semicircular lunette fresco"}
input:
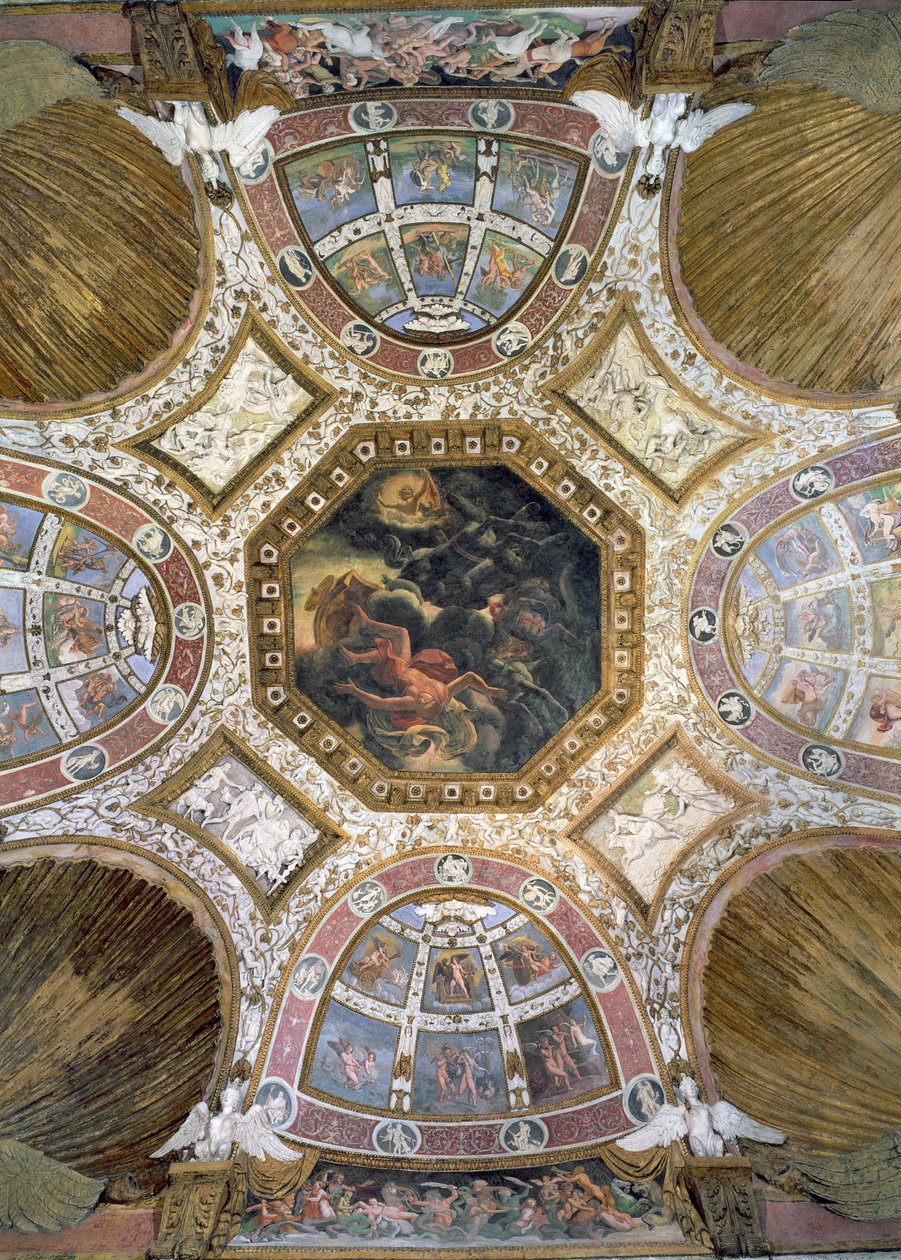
[(456, 1007), (432, 237), (794, 619), (103, 631)]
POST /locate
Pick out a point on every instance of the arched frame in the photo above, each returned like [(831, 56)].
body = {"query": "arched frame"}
[(709, 911), (407, 879)]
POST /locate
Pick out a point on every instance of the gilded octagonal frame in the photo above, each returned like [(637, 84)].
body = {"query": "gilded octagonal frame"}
[(365, 450)]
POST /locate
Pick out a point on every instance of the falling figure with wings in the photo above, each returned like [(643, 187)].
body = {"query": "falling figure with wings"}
[(413, 501), (707, 1128), (212, 1137), (188, 131)]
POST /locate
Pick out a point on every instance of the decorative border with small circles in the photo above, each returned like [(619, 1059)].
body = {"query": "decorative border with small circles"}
[(365, 450), (538, 120), (708, 589), (186, 659)]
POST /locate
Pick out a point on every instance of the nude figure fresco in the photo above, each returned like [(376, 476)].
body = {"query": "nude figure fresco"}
[(353, 1057), (459, 1074), (395, 1210), (448, 619), (563, 1054), (328, 52), (529, 964)]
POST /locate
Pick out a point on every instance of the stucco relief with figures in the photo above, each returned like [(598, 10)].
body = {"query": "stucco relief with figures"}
[(797, 432), (499, 619)]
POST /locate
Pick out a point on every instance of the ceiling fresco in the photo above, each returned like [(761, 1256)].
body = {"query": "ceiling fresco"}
[(792, 619), (455, 629), (458, 612), (433, 238), (103, 631), (453, 1008), (328, 52)]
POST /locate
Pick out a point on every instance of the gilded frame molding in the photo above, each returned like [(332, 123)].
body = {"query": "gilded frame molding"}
[(623, 314), (569, 1251), (350, 462), (156, 804), (253, 327), (673, 740)]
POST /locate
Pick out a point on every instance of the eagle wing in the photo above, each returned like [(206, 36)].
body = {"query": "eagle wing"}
[(701, 124), (855, 54), (190, 1132), (169, 137), (253, 1134), (622, 125), (243, 137), (732, 1123), (39, 1194), (667, 1126)]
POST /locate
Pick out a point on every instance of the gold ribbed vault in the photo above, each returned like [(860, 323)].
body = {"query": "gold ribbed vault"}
[(99, 253), (787, 240), (802, 997), (110, 1016)]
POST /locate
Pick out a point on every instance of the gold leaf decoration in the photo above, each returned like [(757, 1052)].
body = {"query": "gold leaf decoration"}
[(111, 1014), (99, 254), (787, 239), (802, 997)]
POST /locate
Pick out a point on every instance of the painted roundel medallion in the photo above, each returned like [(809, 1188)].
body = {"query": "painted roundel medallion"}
[(450, 618), (104, 632)]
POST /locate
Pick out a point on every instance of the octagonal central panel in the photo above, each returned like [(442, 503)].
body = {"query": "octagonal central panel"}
[(447, 618)]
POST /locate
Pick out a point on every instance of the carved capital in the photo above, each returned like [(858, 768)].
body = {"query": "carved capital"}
[(172, 68), (195, 1196), (721, 1191), (681, 56)]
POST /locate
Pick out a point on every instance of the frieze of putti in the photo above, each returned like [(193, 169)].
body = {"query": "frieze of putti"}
[(791, 803)]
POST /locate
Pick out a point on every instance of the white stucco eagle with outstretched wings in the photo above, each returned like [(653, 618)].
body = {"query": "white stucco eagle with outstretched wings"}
[(188, 131), (622, 128), (212, 1137), (707, 1127)]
